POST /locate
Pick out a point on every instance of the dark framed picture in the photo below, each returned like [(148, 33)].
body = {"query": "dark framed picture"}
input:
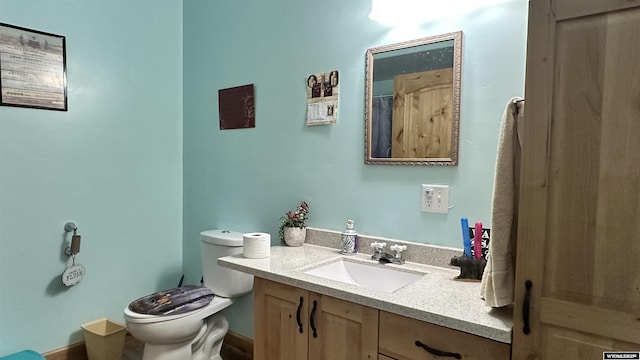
[(236, 107), (33, 69)]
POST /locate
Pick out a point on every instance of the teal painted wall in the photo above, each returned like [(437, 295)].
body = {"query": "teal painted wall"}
[(112, 164), (116, 163), (244, 180)]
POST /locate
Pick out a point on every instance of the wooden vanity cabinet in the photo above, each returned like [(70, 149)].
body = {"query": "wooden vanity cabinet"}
[(295, 324), (286, 317), (399, 336)]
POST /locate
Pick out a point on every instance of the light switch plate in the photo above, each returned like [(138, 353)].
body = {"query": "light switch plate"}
[(435, 198)]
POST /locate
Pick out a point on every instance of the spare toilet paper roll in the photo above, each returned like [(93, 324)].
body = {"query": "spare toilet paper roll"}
[(256, 245)]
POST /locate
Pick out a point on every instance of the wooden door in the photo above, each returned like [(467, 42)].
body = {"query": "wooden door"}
[(343, 330), (579, 222), (281, 321), (422, 120)]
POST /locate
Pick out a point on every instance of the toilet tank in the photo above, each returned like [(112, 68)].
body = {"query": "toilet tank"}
[(222, 281)]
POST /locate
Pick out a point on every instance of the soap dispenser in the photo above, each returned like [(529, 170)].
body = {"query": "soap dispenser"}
[(349, 240)]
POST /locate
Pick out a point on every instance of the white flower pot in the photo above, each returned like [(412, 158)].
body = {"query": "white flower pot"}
[(295, 236)]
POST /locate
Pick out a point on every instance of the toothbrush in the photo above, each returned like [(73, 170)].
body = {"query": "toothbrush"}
[(466, 239), (477, 241)]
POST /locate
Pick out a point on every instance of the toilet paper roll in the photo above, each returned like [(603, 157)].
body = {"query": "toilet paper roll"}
[(256, 245)]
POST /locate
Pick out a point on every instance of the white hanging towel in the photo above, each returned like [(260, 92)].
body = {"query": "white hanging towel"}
[(497, 283)]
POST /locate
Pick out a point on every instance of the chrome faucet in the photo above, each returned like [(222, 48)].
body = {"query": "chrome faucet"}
[(385, 257), (378, 248)]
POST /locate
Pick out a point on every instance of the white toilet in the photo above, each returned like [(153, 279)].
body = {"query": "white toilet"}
[(197, 334)]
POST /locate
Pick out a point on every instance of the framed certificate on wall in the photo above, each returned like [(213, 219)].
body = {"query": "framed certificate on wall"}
[(33, 69)]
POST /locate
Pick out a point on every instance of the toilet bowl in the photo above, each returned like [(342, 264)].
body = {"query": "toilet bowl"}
[(196, 334)]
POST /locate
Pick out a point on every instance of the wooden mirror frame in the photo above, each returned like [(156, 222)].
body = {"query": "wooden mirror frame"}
[(453, 105)]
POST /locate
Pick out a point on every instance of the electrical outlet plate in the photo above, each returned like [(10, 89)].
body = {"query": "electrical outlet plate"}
[(435, 198)]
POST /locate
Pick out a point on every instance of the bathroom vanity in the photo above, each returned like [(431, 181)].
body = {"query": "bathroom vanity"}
[(292, 323), (303, 316)]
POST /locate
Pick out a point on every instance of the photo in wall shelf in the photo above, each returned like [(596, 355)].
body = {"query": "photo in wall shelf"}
[(33, 65), (322, 98), (236, 107)]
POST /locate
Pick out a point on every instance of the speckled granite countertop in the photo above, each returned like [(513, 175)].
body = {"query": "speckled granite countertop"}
[(435, 298)]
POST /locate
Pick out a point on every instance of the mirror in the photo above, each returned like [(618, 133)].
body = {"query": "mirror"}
[(412, 101)]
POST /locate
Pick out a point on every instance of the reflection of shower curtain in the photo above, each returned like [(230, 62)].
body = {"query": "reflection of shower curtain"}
[(381, 112)]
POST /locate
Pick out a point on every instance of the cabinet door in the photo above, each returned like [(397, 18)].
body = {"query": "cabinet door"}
[(281, 321), (579, 216), (340, 330)]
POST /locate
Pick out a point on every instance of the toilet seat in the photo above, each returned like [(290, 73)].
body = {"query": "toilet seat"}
[(218, 303)]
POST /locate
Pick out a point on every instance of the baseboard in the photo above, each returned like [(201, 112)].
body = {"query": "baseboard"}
[(235, 347), (75, 351)]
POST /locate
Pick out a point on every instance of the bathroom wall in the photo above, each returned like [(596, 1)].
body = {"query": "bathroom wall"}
[(112, 164), (244, 180)]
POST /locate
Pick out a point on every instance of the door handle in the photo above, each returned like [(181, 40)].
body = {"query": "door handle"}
[(526, 304)]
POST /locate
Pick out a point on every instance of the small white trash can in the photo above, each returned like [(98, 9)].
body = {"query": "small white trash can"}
[(104, 339)]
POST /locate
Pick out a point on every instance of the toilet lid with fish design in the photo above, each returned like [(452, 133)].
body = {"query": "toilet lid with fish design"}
[(173, 301)]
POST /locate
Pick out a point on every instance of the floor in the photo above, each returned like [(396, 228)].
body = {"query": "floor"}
[(235, 347), (132, 349)]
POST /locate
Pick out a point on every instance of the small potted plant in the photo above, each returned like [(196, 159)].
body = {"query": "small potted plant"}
[(293, 226)]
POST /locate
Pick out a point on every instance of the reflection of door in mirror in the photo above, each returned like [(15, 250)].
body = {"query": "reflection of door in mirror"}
[(422, 117)]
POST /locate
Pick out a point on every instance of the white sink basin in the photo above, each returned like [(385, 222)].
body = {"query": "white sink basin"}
[(370, 276)]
